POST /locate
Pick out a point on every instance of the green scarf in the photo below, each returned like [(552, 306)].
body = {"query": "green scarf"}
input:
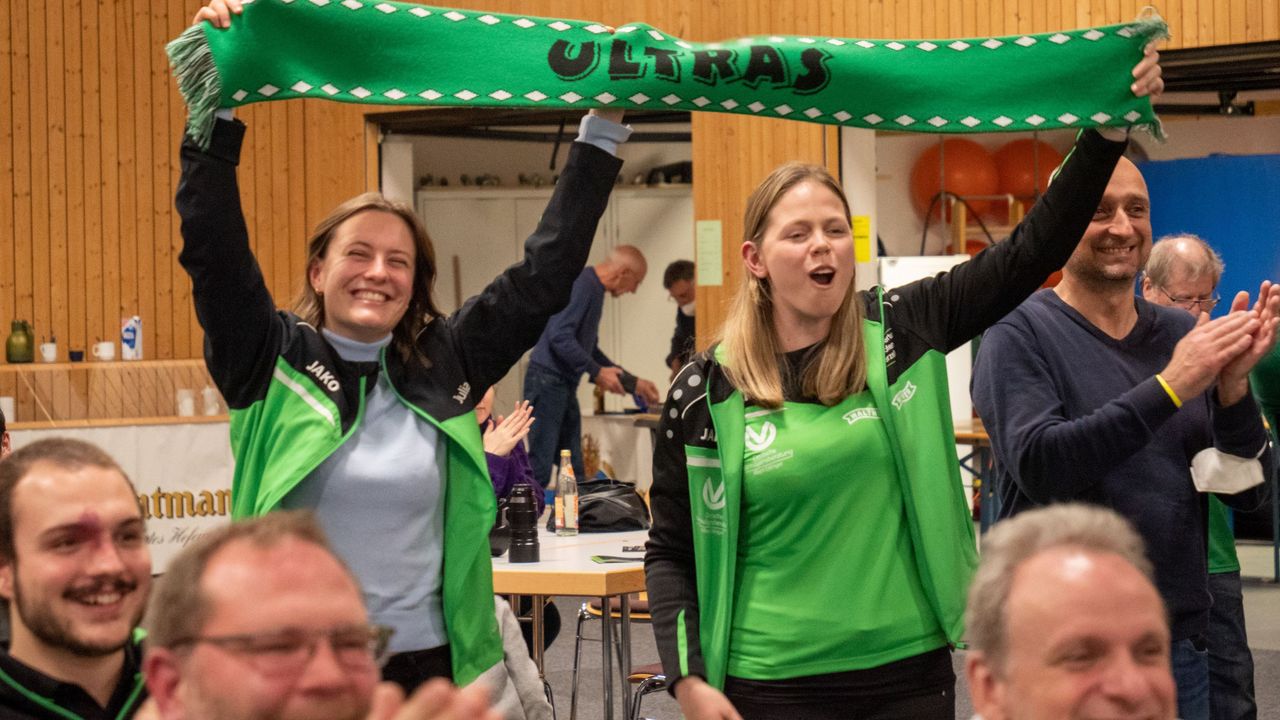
[(391, 53)]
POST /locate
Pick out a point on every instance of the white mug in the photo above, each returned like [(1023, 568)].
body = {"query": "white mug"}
[(49, 352), (186, 402), (105, 350), (6, 407)]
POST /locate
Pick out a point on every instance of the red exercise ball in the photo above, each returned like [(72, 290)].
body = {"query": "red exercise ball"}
[(1025, 166), (968, 170)]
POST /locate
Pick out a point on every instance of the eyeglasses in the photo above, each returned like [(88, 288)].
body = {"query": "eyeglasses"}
[(287, 652), (1191, 303)]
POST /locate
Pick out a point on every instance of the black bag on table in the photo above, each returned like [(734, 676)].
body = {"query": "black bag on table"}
[(607, 505)]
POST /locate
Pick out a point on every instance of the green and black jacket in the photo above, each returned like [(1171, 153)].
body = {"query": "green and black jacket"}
[(293, 401), (28, 693), (697, 468)]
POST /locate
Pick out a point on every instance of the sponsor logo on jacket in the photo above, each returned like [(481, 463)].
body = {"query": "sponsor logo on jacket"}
[(713, 498), (760, 440), (324, 376), (867, 413), (904, 395)]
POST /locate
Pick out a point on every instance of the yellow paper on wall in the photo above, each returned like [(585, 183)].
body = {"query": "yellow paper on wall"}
[(862, 238)]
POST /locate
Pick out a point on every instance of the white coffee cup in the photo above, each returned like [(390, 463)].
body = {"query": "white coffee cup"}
[(186, 402), (105, 350), (6, 406), (49, 352)]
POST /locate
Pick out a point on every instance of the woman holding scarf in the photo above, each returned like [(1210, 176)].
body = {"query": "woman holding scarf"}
[(358, 404), (811, 546)]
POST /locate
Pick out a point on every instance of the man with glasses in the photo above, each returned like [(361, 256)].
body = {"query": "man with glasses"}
[(259, 620), (1090, 393), (1183, 272), (74, 574)]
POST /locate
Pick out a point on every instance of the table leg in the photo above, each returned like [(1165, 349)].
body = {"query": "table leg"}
[(606, 654), (539, 603), (625, 656)]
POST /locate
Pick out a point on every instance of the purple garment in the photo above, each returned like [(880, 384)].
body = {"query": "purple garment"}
[(506, 472)]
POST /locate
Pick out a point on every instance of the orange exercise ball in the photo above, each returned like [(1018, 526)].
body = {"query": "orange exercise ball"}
[(967, 170), (1025, 166)]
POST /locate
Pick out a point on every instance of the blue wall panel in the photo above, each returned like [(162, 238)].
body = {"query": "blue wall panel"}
[(1233, 202)]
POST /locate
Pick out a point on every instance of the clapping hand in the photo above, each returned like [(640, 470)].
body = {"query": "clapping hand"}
[(506, 432), (1233, 380)]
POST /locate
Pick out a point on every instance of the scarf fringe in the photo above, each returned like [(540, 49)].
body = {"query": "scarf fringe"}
[(193, 66)]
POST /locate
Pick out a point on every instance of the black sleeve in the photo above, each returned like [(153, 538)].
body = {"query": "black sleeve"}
[(241, 326), (493, 329), (670, 573), (951, 308)]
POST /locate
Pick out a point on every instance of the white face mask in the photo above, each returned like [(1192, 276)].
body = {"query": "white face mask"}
[(1215, 471), (687, 309)]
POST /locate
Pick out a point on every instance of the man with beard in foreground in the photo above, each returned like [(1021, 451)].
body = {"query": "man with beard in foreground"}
[(75, 572)]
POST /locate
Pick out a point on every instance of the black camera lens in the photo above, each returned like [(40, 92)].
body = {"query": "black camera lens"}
[(522, 519)]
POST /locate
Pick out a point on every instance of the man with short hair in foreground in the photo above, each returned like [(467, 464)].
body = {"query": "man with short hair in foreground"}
[(1064, 621), (259, 620), (75, 572)]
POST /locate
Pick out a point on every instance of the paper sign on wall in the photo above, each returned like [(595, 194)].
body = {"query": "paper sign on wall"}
[(862, 238), (709, 234)]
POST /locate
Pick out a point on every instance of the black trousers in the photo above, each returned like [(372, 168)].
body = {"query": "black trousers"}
[(411, 669), (922, 687)]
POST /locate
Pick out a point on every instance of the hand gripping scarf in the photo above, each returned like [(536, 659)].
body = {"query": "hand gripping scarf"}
[(391, 53)]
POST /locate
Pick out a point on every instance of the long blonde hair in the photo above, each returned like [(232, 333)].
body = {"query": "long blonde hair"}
[(749, 337)]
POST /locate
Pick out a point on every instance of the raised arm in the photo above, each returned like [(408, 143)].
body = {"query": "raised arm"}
[(239, 318), (952, 308), (493, 329)]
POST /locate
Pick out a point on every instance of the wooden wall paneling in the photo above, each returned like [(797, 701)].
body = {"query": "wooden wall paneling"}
[(1228, 23), (8, 58), (110, 122), (37, 261), (1270, 20), (279, 235), (75, 285), (1254, 19), (52, 264), (186, 339), (1205, 26), (134, 217), (157, 305), (91, 170), (260, 167), (294, 254)]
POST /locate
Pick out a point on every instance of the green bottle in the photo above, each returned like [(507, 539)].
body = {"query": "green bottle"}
[(21, 347)]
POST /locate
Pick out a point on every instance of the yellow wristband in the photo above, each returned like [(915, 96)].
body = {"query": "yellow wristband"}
[(1177, 401)]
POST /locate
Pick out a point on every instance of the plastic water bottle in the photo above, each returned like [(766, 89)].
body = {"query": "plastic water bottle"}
[(131, 338), (566, 497)]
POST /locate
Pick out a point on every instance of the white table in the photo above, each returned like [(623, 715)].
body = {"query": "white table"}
[(566, 568)]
